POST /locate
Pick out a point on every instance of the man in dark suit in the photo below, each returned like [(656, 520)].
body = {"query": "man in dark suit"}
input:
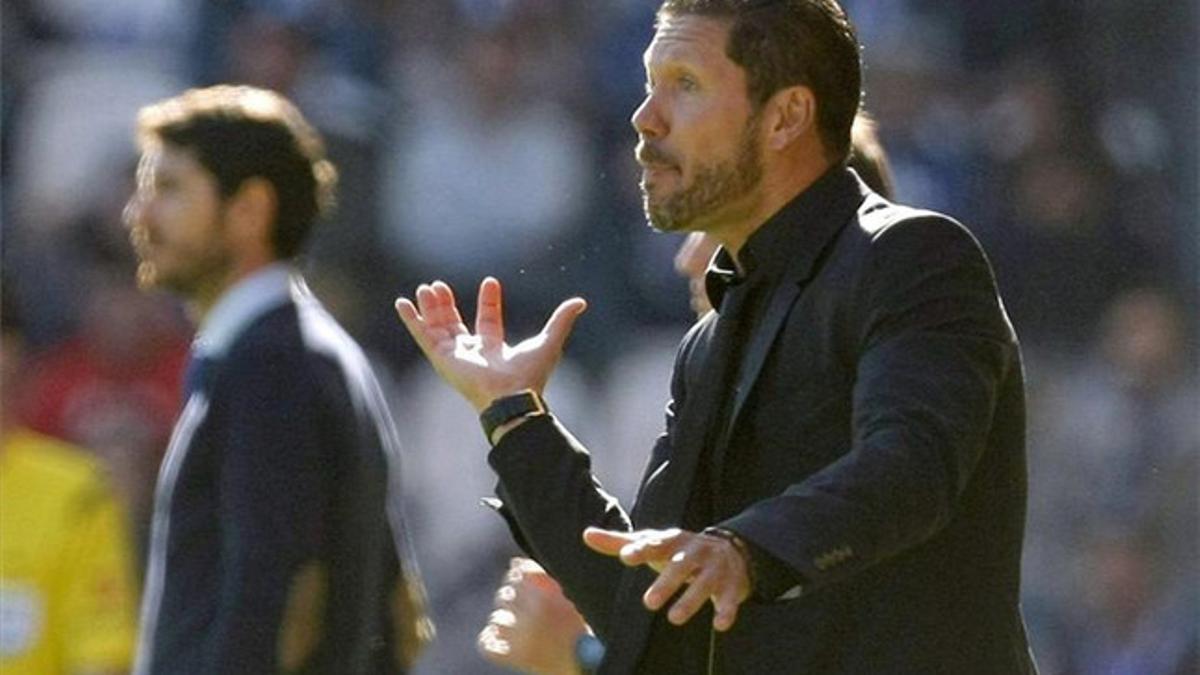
[(842, 474), (277, 545)]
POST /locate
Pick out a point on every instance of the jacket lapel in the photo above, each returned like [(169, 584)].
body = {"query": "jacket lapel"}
[(666, 503), (782, 301), (815, 238)]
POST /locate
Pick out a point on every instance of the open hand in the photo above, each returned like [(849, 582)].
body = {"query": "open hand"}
[(711, 567), (481, 366)]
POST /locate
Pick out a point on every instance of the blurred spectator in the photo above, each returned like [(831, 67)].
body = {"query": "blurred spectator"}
[(1115, 450), (113, 386), (1133, 620), (477, 155), (66, 593)]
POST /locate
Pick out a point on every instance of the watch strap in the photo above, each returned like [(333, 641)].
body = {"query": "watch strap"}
[(524, 403)]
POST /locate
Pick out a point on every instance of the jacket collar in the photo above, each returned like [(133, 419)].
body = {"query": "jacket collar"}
[(791, 241)]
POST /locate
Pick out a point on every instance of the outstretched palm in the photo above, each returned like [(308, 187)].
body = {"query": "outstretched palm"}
[(481, 366)]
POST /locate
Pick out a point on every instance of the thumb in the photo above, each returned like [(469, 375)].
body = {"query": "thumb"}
[(608, 542), (559, 326)]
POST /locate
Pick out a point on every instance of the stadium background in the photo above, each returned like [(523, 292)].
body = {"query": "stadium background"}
[(492, 136)]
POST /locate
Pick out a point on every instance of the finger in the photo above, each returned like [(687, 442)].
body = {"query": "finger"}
[(447, 306), (683, 567), (422, 333), (427, 304), (504, 597), (489, 314), (502, 618), (542, 580), (515, 572), (654, 548), (608, 542), (525, 565), (492, 645), (726, 601), (699, 590), (559, 326)]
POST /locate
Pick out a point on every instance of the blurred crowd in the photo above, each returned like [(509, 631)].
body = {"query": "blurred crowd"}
[(483, 137)]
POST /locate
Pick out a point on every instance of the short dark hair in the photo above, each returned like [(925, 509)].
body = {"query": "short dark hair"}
[(784, 43), (239, 132)]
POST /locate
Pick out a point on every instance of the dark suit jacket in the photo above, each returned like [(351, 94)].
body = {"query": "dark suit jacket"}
[(272, 548), (876, 449)]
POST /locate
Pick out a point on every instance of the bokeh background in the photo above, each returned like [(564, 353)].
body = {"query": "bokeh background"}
[(491, 137)]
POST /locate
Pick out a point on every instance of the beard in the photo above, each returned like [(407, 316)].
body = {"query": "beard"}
[(164, 266), (713, 187)]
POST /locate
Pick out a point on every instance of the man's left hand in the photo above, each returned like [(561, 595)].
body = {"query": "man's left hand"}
[(711, 567)]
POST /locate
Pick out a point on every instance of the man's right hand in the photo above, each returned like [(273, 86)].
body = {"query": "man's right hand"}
[(481, 366)]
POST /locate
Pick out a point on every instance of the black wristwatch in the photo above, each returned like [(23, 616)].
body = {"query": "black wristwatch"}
[(508, 408)]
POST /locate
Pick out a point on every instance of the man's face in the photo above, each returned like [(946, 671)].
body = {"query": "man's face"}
[(698, 133), (176, 223)]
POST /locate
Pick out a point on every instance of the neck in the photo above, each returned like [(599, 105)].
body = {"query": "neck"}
[(202, 300), (778, 187)]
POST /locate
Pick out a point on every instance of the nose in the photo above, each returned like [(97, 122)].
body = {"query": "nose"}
[(648, 120), (134, 213)]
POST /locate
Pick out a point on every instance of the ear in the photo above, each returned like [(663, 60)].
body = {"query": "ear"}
[(791, 115), (252, 211)]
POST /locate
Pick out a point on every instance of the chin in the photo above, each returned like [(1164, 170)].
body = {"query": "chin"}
[(662, 222), (147, 276)]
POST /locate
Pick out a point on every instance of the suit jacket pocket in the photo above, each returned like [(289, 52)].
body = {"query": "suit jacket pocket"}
[(795, 636)]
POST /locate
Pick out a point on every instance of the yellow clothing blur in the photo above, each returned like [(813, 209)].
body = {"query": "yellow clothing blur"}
[(66, 596)]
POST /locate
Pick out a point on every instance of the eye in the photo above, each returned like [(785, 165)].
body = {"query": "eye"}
[(687, 83)]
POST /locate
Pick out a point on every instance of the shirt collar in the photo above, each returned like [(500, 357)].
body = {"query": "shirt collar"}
[(794, 237), (241, 305)]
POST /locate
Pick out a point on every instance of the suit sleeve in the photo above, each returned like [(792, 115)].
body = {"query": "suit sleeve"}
[(271, 501), (934, 350), (548, 496)]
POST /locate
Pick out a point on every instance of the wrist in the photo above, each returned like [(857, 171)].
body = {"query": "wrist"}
[(739, 544)]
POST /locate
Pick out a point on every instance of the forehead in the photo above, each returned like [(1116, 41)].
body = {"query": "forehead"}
[(690, 40)]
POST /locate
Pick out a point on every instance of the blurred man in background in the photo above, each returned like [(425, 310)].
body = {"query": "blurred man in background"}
[(277, 545), (66, 587)]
